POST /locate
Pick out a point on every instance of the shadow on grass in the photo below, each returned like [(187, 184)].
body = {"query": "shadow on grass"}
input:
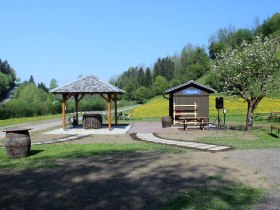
[(222, 195), (135, 180), (273, 135), (35, 152)]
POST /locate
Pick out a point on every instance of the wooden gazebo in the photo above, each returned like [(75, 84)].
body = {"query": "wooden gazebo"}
[(88, 85)]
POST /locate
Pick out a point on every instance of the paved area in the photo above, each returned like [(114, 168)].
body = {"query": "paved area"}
[(151, 127), (116, 129), (201, 146), (34, 126)]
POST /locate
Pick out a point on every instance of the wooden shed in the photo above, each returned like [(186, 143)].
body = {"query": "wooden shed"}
[(190, 99)]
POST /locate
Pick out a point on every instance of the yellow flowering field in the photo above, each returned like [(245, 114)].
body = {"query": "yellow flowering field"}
[(158, 107), (239, 106)]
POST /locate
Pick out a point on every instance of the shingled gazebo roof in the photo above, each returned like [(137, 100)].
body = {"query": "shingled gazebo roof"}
[(89, 84)]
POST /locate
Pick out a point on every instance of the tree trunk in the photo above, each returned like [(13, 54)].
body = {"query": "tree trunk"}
[(252, 104), (250, 116)]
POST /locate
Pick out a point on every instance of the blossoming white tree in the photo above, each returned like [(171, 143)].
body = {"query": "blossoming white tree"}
[(251, 72)]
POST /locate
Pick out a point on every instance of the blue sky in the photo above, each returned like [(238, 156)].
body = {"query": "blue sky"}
[(63, 39)]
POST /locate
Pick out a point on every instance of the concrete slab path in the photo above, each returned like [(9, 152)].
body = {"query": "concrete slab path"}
[(149, 137)]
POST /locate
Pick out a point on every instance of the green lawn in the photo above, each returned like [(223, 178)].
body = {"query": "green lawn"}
[(15, 121), (45, 155), (260, 139), (224, 195)]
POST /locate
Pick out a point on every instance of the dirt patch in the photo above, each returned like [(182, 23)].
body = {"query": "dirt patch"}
[(38, 137), (141, 180), (101, 139)]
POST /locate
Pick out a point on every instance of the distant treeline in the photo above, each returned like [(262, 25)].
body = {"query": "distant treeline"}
[(7, 78), (141, 83)]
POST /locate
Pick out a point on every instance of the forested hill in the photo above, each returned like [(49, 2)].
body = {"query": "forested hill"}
[(7, 78), (141, 83)]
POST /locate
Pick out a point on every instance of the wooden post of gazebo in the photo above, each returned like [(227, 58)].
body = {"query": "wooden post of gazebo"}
[(77, 107), (64, 97), (116, 108), (109, 112)]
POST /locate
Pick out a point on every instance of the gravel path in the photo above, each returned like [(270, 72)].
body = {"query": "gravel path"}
[(266, 162)]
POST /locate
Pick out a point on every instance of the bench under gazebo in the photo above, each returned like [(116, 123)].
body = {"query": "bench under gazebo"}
[(89, 85)]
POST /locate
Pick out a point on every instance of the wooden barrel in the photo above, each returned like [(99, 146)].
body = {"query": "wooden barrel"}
[(17, 143), (166, 122), (92, 121)]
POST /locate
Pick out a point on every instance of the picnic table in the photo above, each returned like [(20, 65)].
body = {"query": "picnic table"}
[(270, 116), (201, 121), (275, 127)]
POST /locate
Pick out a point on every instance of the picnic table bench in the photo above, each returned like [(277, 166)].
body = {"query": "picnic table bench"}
[(275, 127), (201, 121), (271, 116)]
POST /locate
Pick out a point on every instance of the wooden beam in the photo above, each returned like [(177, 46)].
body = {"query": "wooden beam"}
[(82, 96), (64, 98), (109, 112), (116, 108), (76, 97), (68, 95), (104, 97)]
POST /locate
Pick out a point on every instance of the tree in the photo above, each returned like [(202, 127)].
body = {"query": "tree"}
[(160, 85), (31, 80), (7, 78), (164, 67), (43, 87), (194, 62), (142, 94), (141, 77), (53, 84), (251, 72), (129, 90), (199, 63), (270, 26), (4, 84), (148, 78)]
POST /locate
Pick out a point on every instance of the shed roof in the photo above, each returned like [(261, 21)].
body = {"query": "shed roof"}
[(89, 84), (189, 83)]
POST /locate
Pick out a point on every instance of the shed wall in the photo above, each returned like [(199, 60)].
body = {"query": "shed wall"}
[(189, 95), (201, 101)]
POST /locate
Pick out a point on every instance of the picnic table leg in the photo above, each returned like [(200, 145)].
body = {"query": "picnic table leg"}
[(202, 125)]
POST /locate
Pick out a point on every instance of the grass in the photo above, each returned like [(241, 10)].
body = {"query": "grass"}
[(14, 121), (260, 139), (224, 195), (44, 156)]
